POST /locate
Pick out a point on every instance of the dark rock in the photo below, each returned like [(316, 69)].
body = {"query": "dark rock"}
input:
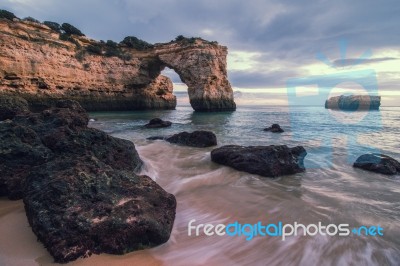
[(200, 139), (157, 138), (11, 76), (158, 123), (79, 186), (10, 106), (378, 163), (275, 128), (20, 151), (353, 102), (81, 206), (269, 161)]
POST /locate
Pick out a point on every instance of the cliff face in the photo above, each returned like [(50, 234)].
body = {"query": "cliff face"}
[(354, 102), (37, 65)]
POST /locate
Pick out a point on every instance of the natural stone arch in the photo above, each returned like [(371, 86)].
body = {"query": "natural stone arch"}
[(202, 67)]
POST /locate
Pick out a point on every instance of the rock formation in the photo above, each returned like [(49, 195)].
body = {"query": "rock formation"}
[(78, 184), (158, 123), (353, 102), (378, 163), (275, 128), (199, 139), (269, 161), (40, 67)]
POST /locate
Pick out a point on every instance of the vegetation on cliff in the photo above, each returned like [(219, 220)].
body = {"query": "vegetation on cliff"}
[(7, 14)]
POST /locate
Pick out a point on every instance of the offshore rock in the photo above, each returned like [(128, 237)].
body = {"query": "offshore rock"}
[(354, 102), (79, 186), (275, 128), (199, 139), (158, 123), (36, 65), (378, 163), (269, 161)]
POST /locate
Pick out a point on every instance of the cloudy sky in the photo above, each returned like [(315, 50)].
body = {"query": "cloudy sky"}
[(270, 42)]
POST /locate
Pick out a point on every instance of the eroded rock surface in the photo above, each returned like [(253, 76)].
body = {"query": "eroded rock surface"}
[(79, 186), (269, 161), (378, 163), (36, 65), (199, 139)]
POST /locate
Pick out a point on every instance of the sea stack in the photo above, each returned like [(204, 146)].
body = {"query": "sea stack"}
[(353, 102)]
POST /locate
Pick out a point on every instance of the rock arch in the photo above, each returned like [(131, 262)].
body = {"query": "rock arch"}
[(202, 67), (129, 79)]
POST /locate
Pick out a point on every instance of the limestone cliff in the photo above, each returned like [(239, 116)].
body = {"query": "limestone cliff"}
[(37, 65), (353, 102)]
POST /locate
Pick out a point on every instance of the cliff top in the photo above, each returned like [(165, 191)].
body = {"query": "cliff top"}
[(67, 35)]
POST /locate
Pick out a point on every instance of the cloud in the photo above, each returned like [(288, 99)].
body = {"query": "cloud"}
[(275, 39), (358, 61)]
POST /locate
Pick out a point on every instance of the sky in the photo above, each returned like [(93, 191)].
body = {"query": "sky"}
[(271, 43)]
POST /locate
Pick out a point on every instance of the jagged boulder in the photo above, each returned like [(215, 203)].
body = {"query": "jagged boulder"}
[(269, 161), (78, 207), (79, 186)]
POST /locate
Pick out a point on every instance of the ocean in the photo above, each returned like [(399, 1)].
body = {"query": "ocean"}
[(330, 191)]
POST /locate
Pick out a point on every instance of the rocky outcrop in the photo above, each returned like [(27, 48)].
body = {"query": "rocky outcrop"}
[(354, 102), (378, 163), (269, 161), (11, 106), (275, 128), (199, 139), (36, 65), (79, 186), (158, 123)]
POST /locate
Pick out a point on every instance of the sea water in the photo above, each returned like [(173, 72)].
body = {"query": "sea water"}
[(330, 191)]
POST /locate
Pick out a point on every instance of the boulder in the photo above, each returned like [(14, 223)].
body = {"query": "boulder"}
[(378, 163), (78, 207), (275, 128), (158, 123), (79, 186), (199, 139), (269, 161)]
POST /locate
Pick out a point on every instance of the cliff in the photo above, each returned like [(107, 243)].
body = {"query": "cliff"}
[(353, 102), (39, 65)]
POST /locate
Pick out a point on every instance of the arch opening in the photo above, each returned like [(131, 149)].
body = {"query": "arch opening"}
[(180, 89)]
